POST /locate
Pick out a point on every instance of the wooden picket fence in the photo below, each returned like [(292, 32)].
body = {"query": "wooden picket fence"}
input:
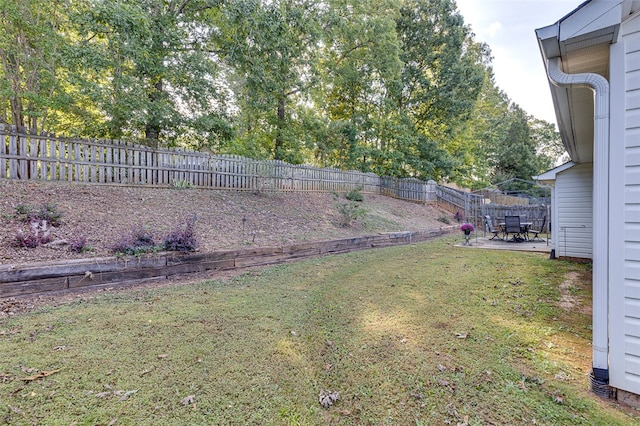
[(474, 207), (29, 156)]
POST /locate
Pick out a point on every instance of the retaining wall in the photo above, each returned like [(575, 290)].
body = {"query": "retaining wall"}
[(18, 280)]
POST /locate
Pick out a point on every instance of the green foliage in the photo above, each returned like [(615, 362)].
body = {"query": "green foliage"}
[(355, 194), (47, 212), (181, 184), (350, 212), (444, 219), (398, 88)]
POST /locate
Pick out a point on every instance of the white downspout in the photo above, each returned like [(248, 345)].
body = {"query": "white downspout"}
[(600, 87)]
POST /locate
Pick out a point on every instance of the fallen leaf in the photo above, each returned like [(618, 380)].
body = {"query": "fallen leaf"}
[(461, 335), (327, 398), (15, 409), (441, 367), (40, 375), (188, 400), (103, 394), (112, 422), (146, 372), (127, 394), (162, 356)]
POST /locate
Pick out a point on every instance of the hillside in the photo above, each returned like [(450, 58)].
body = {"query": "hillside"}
[(225, 219)]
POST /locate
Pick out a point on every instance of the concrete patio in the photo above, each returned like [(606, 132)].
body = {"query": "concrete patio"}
[(484, 242)]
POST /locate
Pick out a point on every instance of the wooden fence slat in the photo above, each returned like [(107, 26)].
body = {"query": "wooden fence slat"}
[(3, 151), (27, 156)]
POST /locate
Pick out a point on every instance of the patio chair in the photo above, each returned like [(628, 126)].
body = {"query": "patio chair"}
[(536, 232), (495, 231), (512, 226)]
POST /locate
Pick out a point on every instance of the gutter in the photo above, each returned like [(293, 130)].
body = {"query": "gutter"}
[(600, 87)]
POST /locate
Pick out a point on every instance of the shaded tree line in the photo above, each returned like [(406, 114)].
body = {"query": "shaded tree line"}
[(395, 87)]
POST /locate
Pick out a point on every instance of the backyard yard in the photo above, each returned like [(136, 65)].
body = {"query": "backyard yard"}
[(422, 334)]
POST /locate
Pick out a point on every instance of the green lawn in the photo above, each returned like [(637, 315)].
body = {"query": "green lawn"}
[(425, 334)]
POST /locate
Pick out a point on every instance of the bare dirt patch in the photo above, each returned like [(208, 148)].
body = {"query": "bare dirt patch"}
[(225, 219), (569, 299)]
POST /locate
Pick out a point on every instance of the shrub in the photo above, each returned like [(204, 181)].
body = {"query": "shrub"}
[(444, 219), (183, 238), (140, 240), (355, 194), (47, 212), (79, 245), (22, 210), (37, 235), (350, 212), (181, 184)]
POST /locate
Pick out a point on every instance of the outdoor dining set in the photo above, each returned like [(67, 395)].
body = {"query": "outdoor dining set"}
[(514, 229)]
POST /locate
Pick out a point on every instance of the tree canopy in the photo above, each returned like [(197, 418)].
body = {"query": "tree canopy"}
[(396, 87)]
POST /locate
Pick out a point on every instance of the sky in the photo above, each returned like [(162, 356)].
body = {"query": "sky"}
[(508, 27)]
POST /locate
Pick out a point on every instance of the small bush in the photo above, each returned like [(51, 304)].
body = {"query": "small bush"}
[(350, 212), (140, 240), (355, 194), (181, 184), (22, 211), (37, 235), (47, 212), (79, 245), (182, 239), (444, 219)]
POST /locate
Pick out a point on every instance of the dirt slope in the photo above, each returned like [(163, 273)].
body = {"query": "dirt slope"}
[(225, 219)]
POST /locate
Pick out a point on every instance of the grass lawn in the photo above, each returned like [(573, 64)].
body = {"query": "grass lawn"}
[(426, 334)]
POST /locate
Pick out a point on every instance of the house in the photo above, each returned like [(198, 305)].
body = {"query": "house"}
[(592, 59), (572, 210)]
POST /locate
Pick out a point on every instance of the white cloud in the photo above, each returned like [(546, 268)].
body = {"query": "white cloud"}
[(494, 29)]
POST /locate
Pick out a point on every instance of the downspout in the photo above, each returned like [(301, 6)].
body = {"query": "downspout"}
[(600, 87)]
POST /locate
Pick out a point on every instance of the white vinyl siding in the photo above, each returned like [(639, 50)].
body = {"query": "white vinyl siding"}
[(574, 197), (624, 241)]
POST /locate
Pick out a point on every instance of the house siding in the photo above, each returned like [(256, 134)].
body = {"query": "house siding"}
[(573, 234), (624, 225)]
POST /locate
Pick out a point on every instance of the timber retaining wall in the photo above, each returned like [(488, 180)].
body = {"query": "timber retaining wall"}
[(35, 278)]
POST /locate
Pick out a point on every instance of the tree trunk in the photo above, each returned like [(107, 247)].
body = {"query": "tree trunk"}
[(152, 129), (278, 150)]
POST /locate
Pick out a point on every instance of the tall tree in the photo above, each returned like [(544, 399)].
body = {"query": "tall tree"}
[(360, 65), (443, 67), (29, 80), (270, 48), (152, 69)]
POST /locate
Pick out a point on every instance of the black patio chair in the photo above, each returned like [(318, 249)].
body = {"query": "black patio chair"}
[(536, 232), (495, 231), (512, 226)]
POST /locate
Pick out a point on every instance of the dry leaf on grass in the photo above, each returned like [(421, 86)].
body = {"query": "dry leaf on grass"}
[(327, 398), (40, 375), (188, 400)]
